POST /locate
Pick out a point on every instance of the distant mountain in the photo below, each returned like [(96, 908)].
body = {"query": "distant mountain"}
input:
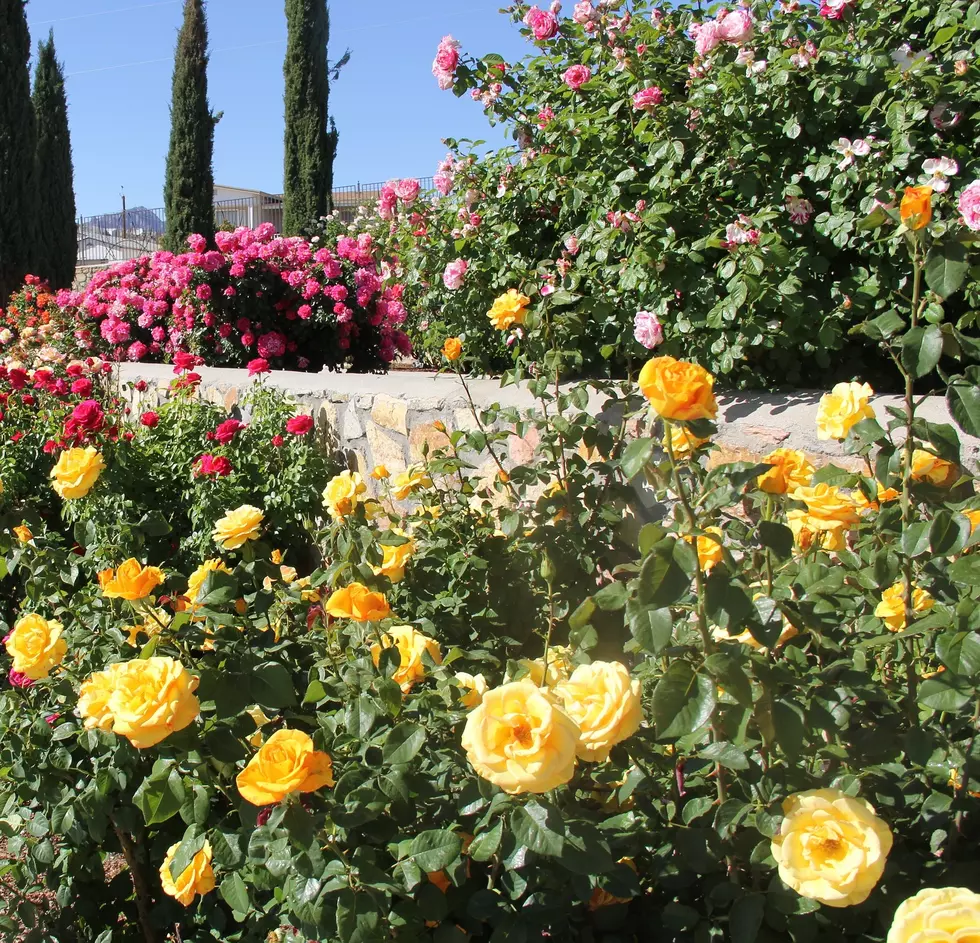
[(138, 218)]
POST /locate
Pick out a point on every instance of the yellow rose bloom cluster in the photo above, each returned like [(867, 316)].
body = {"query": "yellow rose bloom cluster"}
[(395, 559), (937, 915), (411, 645), (196, 878), (678, 390), (238, 527), (891, 609), (933, 469), (829, 515), (36, 646), (343, 494), (131, 581), (286, 763), (791, 469), (144, 700), (76, 471), (831, 847), (509, 309), (409, 481), (359, 603), (843, 408)]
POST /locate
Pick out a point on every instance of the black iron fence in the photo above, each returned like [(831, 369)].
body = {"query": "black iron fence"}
[(138, 230)]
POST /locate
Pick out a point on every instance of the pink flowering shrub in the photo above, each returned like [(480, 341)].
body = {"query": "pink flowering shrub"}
[(297, 305)]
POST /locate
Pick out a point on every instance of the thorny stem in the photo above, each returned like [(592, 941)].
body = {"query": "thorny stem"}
[(547, 638), (909, 440), (140, 884), (504, 477)]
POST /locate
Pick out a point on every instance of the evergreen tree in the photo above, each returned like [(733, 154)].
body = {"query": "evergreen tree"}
[(18, 136), (188, 192), (311, 136), (57, 229)]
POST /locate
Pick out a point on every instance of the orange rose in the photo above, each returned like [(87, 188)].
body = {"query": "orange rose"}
[(357, 602), (131, 581), (790, 470), (916, 208), (285, 763), (678, 390), (452, 349)]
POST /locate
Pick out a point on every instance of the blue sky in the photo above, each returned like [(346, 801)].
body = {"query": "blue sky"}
[(118, 56)]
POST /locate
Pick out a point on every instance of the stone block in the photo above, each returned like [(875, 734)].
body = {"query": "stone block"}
[(426, 433), (327, 417), (351, 427), (464, 421), (230, 399), (386, 450), (390, 413), (521, 448)]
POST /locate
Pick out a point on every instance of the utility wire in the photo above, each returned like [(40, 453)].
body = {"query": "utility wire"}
[(86, 16)]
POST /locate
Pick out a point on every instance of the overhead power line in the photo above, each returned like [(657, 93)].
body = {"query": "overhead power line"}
[(86, 16)]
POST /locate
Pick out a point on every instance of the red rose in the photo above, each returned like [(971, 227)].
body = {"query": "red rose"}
[(149, 419), (278, 441), (212, 465), (184, 361), (140, 386), (88, 416), (227, 431), (258, 366), (82, 386), (299, 425)]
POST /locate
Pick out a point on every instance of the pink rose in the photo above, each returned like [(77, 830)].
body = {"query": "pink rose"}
[(545, 117), (207, 465), (407, 191), (272, 344), (18, 679), (543, 24), (706, 36), (647, 329), (82, 386), (150, 419), (452, 278), (299, 425), (443, 182), (736, 27), (969, 206), (278, 441), (197, 242), (576, 76), (227, 431), (583, 12), (445, 62), (647, 98)]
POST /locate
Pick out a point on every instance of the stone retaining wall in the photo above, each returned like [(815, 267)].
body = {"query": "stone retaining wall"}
[(385, 419)]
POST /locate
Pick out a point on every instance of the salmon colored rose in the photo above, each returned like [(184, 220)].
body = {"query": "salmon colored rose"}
[(509, 309), (791, 469), (36, 646), (605, 702), (934, 470), (411, 645), (891, 609), (131, 581), (842, 408), (452, 348), (196, 879), (830, 847), (916, 207), (359, 603), (238, 527), (678, 390), (77, 471), (520, 739), (286, 763), (937, 915), (409, 481), (343, 494)]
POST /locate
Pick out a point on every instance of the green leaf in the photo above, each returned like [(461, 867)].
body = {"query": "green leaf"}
[(787, 721), (963, 400), (745, 920), (731, 677), (540, 827), (652, 628), (727, 754), (966, 570), (922, 348), (193, 842), (682, 701), (662, 582), (160, 796), (485, 845), (272, 686), (359, 716), (403, 743), (946, 268), (636, 455), (234, 893), (777, 537), (944, 695), (949, 533), (582, 615), (612, 597), (960, 652), (435, 849)]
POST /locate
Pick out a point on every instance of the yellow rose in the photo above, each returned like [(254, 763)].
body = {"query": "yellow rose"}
[(36, 646), (144, 700), (829, 507), (682, 443), (891, 609), (678, 390), (394, 560), (791, 469), (521, 740), (845, 406), (357, 602), (276, 557), (409, 481), (196, 580), (379, 473), (475, 687), (916, 207), (152, 626), (709, 545), (605, 703), (808, 532), (973, 516), (937, 471), (23, 533), (937, 915), (509, 309), (884, 496), (77, 470), (830, 847), (238, 526), (343, 494), (131, 581), (452, 349), (261, 719), (285, 763), (559, 667), (196, 878), (411, 645)]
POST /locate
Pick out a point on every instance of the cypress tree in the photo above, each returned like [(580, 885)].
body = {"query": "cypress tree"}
[(18, 194), (188, 192), (57, 229), (311, 136)]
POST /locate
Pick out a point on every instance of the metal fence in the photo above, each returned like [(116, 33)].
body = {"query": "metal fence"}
[(137, 231)]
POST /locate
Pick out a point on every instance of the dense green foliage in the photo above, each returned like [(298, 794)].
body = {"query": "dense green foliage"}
[(18, 186), (188, 190), (311, 136), (56, 245)]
